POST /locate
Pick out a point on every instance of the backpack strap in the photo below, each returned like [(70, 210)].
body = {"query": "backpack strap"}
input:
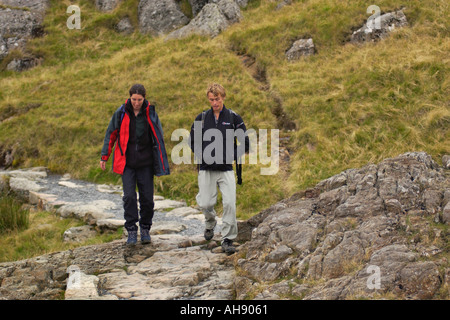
[(203, 124), (122, 114), (232, 113), (203, 117), (238, 165)]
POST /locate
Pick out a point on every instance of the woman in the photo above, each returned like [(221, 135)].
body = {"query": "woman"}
[(139, 154)]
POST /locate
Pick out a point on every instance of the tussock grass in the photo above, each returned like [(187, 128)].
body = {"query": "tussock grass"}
[(12, 216), (352, 104)]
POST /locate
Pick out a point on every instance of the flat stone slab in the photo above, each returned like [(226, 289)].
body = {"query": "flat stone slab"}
[(168, 204), (183, 212), (167, 227), (111, 224)]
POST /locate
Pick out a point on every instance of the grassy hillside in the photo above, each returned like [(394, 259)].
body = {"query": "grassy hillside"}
[(351, 104)]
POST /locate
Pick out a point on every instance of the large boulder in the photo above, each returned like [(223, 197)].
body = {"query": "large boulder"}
[(16, 27), (160, 17), (212, 20), (20, 20), (230, 9), (300, 48), (380, 27)]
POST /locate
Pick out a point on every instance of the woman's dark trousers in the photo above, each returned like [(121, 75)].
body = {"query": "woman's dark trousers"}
[(143, 179)]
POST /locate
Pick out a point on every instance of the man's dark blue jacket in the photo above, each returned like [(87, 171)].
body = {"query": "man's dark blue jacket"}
[(228, 119)]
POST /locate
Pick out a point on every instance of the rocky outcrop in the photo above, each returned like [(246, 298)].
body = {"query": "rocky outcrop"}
[(163, 17), (379, 27), (112, 271), (160, 17), (16, 26), (20, 20), (300, 48), (379, 223), (212, 19)]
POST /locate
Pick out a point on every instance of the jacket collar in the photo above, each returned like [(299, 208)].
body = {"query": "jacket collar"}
[(221, 111), (129, 107)]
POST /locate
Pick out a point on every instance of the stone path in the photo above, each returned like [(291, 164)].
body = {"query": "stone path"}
[(98, 205), (178, 264)]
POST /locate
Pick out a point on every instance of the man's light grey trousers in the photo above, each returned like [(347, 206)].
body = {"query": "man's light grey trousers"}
[(208, 182)]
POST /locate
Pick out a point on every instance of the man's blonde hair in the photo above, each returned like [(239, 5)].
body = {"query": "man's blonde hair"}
[(216, 89)]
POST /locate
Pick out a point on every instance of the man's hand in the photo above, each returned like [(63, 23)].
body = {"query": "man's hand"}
[(103, 165)]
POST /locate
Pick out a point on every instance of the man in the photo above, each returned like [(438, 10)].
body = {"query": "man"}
[(216, 157), (139, 154)]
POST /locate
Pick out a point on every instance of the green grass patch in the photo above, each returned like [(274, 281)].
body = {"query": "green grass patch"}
[(43, 234)]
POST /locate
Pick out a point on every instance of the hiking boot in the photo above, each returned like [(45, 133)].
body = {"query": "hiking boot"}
[(228, 247), (145, 236), (209, 234), (132, 238)]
